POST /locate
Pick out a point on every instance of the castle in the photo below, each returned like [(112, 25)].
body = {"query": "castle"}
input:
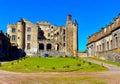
[(106, 42), (43, 38)]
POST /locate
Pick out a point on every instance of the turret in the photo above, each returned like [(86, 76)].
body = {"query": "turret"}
[(75, 22), (20, 35), (69, 19)]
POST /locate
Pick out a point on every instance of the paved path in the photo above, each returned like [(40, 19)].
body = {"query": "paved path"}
[(109, 66), (111, 77)]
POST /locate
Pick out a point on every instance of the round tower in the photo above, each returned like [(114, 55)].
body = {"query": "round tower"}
[(20, 35)]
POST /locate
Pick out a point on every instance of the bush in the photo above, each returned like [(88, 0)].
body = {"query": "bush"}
[(78, 64), (73, 57), (39, 56), (53, 68), (83, 61), (89, 63), (61, 56), (12, 63), (38, 66), (50, 56), (67, 66), (66, 56), (25, 65)]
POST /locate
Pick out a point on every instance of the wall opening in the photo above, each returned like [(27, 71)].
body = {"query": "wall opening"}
[(41, 46)]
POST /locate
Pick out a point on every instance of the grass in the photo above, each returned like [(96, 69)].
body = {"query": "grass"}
[(63, 80), (39, 64), (107, 61)]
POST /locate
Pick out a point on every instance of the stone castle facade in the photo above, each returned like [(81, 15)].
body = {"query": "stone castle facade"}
[(106, 42), (43, 38)]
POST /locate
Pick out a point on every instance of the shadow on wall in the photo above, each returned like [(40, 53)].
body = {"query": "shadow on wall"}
[(14, 54)]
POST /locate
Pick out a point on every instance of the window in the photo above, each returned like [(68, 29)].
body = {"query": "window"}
[(63, 31), (111, 44), (107, 45), (48, 34), (116, 41), (13, 37), (41, 46), (103, 46), (13, 30), (57, 33), (29, 29), (64, 38), (28, 46), (64, 44), (49, 47), (28, 37)]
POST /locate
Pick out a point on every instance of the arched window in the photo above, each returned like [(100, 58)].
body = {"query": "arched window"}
[(107, 45), (41, 46), (111, 44), (103, 46), (63, 31), (116, 42), (49, 47)]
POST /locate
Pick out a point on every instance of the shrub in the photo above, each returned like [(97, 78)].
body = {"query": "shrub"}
[(53, 68), (78, 64), (66, 56), (73, 57), (50, 56), (12, 63), (39, 56), (83, 61), (61, 56), (89, 63), (38, 66), (67, 66), (25, 65)]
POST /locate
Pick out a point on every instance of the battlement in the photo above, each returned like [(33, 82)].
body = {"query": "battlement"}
[(11, 25)]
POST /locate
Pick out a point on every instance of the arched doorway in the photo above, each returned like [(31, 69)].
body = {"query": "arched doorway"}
[(49, 47), (41, 46)]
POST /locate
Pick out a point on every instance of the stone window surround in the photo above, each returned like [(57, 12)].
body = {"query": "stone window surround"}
[(13, 37), (28, 29), (29, 37), (13, 30), (28, 46)]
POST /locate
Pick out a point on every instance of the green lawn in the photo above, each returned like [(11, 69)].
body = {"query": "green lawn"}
[(107, 61), (39, 64)]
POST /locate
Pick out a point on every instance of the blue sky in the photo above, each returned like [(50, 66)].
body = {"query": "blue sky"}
[(91, 15)]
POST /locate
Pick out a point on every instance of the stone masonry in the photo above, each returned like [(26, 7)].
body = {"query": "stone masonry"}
[(43, 38), (106, 42)]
